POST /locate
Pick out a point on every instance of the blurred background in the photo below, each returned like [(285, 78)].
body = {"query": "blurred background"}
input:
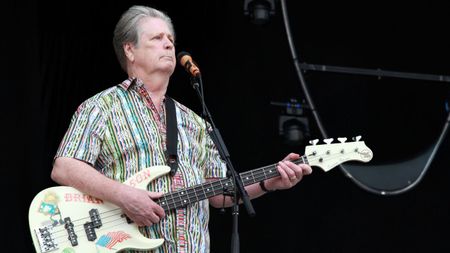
[(59, 54)]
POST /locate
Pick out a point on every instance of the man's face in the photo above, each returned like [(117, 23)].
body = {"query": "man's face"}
[(155, 51)]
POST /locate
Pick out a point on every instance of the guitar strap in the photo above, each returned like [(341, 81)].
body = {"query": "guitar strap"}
[(172, 135)]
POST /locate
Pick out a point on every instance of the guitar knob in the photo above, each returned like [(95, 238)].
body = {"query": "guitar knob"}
[(357, 138), (328, 141), (342, 139), (314, 142)]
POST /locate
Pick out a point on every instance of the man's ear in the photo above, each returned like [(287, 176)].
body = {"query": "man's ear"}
[(129, 52)]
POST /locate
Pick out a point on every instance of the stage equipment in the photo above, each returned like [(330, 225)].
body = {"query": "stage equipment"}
[(293, 123), (259, 11), (238, 192), (388, 179)]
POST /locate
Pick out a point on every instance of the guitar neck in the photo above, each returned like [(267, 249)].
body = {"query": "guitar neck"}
[(203, 191)]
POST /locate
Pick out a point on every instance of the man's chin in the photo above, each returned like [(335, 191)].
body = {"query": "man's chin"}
[(169, 70)]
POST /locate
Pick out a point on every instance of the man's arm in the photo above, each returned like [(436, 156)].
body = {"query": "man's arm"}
[(137, 204)]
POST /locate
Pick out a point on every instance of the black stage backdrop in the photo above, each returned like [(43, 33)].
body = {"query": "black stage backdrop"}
[(59, 54)]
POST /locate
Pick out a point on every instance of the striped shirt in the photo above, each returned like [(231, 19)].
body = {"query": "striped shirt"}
[(119, 132)]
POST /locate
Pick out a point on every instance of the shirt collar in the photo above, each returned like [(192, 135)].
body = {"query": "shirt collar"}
[(136, 82), (131, 82)]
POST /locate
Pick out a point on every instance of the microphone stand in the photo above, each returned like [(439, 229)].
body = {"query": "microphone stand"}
[(239, 191)]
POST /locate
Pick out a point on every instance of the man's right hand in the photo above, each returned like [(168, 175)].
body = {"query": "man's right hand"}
[(139, 206)]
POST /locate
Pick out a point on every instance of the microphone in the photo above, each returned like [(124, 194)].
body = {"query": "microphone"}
[(188, 64)]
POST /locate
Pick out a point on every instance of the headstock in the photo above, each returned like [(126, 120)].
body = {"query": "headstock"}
[(329, 155)]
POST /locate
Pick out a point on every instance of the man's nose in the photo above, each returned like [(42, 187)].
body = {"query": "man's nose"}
[(168, 44)]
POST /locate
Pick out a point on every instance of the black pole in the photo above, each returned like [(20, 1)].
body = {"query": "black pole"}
[(371, 72), (239, 192)]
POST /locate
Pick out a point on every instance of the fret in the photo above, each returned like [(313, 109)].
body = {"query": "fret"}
[(265, 175), (174, 204), (182, 197), (261, 175), (163, 202), (203, 190), (225, 187), (253, 177), (195, 194), (246, 179), (209, 189), (271, 172)]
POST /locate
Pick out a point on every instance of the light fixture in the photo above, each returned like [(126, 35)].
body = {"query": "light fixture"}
[(259, 11), (293, 123)]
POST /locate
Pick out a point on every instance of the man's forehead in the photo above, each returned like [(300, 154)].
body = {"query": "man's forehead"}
[(155, 25)]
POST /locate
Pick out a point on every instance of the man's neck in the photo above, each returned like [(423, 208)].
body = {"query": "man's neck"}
[(156, 87)]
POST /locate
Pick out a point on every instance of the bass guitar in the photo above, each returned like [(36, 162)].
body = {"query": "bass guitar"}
[(63, 219)]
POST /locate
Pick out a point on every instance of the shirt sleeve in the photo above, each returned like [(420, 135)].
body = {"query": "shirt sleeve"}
[(83, 139)]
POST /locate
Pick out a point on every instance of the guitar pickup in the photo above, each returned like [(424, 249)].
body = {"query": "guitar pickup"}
[(90, 231), (89, 227), (95, 218), (70, 231)]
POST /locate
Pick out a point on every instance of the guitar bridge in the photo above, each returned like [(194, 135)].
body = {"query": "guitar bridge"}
[(45, 238)]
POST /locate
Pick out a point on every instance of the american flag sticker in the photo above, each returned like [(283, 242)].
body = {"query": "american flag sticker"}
[(112, 238)]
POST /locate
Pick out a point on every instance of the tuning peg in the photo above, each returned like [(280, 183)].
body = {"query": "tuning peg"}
[(357, 138), (328, 141), (314, 142), (342, 139)]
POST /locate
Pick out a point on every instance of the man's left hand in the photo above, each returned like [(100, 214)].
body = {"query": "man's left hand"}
[(290, 173)]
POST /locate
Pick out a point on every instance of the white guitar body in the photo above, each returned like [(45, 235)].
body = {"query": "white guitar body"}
[(51, 206)]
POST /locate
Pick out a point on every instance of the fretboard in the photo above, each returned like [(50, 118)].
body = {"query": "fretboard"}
[(203, 191)]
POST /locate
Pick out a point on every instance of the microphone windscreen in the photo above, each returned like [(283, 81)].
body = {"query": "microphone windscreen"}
[(181, 54)]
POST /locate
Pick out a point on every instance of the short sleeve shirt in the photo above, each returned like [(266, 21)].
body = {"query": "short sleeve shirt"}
[(119, 132)]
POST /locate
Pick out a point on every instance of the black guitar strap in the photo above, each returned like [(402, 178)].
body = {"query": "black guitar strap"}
[(172, 135)]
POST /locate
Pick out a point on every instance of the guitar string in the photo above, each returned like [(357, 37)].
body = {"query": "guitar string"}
[(176, 198), (260, 174), (257, 175), (82, 220), (105, 226), (186, 196)]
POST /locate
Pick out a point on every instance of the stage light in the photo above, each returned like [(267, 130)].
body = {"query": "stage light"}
[(259, 11), (293, 123), (294, 129)]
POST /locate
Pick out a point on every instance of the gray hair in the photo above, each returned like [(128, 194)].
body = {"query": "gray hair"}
[(127, 30)]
